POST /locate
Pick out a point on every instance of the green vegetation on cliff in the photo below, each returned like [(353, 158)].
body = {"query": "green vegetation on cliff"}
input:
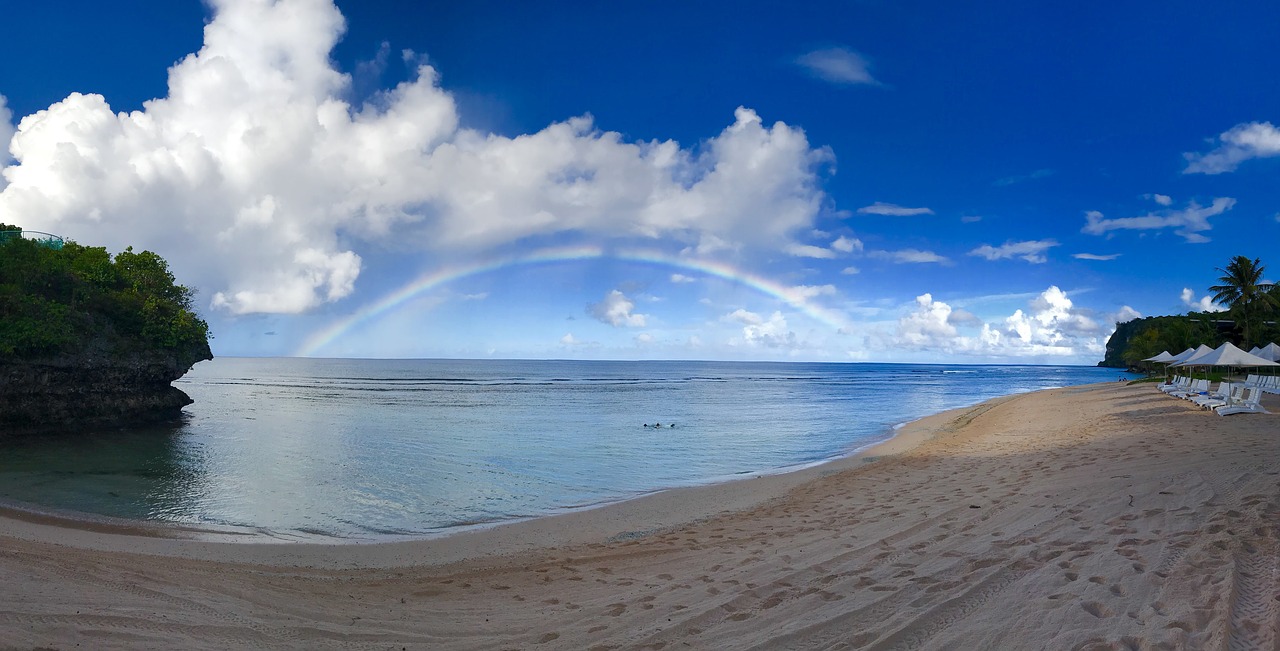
[(65, 301), (1252, 318)]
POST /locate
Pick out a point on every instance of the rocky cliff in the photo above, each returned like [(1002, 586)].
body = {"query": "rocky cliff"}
[(93, 390), (88, 339)]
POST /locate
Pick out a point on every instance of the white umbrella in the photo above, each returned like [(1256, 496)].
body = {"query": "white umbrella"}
[(1185, 354), (1271, 351), (1183, 359), (1227, 355), (1162, 358)]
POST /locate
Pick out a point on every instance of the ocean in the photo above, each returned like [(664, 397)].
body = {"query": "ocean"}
[(354, 450)]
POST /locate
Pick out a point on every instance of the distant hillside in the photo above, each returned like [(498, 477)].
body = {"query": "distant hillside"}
[(1142, 338)]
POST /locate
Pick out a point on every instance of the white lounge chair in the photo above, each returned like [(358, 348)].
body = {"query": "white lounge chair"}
[(1197, 387), (1223, 390), (1226, 394), (1249, 404), (1179, 383)]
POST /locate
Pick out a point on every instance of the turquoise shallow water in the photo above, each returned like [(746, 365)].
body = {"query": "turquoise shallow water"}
[(358, 449)]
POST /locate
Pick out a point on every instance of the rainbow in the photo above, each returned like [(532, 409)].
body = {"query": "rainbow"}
[(797, 299)]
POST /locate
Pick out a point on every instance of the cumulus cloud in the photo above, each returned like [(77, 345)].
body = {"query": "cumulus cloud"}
[(1095, 256), (1189, 222), (1051, 326), (892, 210), (759, 331), (929, 327), (1162, 199), (1238, 144), (260, 182), (616, 310), (1203, 304), (909, 256), (960, 317), (569, 340), (847, 244), (849, 271), (681, 279), (1030, 250), (1125, 314), (838, 66)]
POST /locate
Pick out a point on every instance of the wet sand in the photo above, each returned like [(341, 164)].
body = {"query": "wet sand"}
[(1099, 517)]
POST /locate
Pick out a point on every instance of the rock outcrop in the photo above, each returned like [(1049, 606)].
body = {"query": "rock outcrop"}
[(94, 389)]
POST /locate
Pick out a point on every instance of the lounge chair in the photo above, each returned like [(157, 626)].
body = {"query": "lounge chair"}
[(1179, 382), (1197, 387), (1249, 404), (1226, 394)]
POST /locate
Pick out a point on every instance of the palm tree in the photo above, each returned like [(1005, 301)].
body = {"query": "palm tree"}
[(1244, 292)]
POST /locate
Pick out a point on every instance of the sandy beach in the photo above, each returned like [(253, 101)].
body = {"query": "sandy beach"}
[(1098, 517)]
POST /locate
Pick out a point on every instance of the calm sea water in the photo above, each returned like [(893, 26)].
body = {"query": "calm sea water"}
[(358, 449)]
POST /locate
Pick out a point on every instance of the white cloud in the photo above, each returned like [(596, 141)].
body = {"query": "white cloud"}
[(1095, 256), (1190, 222), (970, 219), (838, 66), (1030, 250), (680, 279), (256, 155), (1050, 327), (1238, 144), (802, 293), (847, 244), (928, 327), (1125, 314), (892, 210), (911, 256), (1162, 199), (1053, 327), (759, 331), (569, 340), (743, 316), (616, 310), (1203, 304), (960, 317), (849, 271), (809, 251), (643, 339)]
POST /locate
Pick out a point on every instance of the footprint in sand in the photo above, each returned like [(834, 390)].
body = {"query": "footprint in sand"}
[(1096, 609)]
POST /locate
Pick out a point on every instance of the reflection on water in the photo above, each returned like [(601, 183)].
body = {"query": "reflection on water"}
[(375, 448)]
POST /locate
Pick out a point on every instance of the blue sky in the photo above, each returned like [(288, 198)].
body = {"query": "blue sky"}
[(960, 182)]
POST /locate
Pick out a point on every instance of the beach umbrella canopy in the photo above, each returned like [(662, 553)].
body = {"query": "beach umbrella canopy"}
[(1162, 358), (1271, 351), (1227, 355), (1183, 355), (1190, 354)]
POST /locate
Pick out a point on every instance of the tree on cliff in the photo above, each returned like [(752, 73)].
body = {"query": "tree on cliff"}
[(1244, 292), (67, 300)]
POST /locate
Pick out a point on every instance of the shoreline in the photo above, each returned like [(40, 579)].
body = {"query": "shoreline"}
[(902, 436), (639, 516), (1100, 516)]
